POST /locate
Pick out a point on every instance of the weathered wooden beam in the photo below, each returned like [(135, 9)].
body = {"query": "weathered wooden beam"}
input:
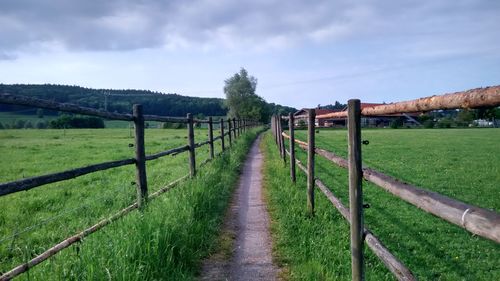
[(29, 183), (475, 98), (140, 156), (480, 221), (311, 130), (211, 137), (167, 152), (65, 107), (199, 144), (292, 147), (477, 220), (192, 157), (230, 131), (165, 119), (222, 133), (78, 237), (355, 189), (398, 269)]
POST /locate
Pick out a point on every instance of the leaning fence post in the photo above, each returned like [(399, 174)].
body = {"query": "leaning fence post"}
[(230, 132), (211, 137), (222, 133), (310, 160), (140, 156), (292, 147), (355, 188), (192, 158)]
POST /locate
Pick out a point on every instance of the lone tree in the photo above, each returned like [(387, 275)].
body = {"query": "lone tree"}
[(241, 98)]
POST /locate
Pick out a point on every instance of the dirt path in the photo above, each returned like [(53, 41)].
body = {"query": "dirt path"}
[(247, 223)]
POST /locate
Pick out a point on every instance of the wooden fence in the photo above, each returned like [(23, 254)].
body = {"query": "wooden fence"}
[(480, 221), (236, 127)]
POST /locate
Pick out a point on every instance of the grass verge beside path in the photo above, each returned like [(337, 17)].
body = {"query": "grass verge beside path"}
[(164, 242), (462, 164), (308, 248)]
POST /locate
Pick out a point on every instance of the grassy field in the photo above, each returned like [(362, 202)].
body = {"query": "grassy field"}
[(168, 239), (463, 164)]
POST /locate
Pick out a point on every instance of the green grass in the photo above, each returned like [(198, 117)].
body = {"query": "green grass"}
[(168, 239), (462, 164)]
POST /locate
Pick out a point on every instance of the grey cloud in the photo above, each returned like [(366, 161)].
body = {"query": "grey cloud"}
[(127, 24)]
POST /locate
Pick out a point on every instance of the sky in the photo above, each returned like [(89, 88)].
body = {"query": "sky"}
[(303, 53)]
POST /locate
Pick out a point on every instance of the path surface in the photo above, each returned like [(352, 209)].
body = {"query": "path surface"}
[(248, 220)]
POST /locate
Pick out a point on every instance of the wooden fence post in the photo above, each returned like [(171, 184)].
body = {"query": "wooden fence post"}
[(222, 133), (282, 140), (355, 188), (140, 156), (230, 131), (278, 134), (310, 160), (192, 158), (211, 137), (292, 146), (234, 129)]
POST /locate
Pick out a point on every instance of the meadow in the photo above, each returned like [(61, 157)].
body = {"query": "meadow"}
[(460, 163), (182, 223)]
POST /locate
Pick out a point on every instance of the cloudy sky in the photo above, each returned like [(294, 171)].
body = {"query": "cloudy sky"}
[(303, 53)]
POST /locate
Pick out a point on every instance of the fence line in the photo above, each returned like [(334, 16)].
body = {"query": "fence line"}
[(480, 221), (239, 126)]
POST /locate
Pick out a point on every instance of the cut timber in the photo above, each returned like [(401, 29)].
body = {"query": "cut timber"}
[(480, 97)]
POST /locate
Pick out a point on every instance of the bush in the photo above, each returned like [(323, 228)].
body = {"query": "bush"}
[(301, 125), (1, 126), (66, 121), (428, 124), (445, 122), (28, 125), (396, 123), (19, 124), (41, 125)]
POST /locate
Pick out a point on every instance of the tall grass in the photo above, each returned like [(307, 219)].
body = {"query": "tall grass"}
[(166, 241), (459, 163)]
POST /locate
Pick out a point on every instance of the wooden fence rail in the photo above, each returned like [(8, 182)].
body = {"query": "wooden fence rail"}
[(140, 161), (480, 221)]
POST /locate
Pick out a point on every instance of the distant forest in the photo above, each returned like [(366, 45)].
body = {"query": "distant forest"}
[(122, 100)]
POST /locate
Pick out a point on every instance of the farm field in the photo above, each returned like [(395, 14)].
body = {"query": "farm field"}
[(32, 221), (460, 163)]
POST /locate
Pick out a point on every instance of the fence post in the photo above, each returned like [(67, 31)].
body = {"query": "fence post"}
[(211, 137), (222, 133), (310, 160), (292, 146), (234, 129), (282, 140), (355, 188), (140, 156), (192, 159), (230, 132)]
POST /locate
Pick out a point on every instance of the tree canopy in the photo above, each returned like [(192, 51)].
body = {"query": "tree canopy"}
[(241, 98)]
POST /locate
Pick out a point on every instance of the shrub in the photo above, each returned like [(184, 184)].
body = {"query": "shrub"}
[(445, 123), (66, 121), (40, 125), (428, 124), (301, 125), (396, 123), (28, 125), (19, 124), (1, 126)]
